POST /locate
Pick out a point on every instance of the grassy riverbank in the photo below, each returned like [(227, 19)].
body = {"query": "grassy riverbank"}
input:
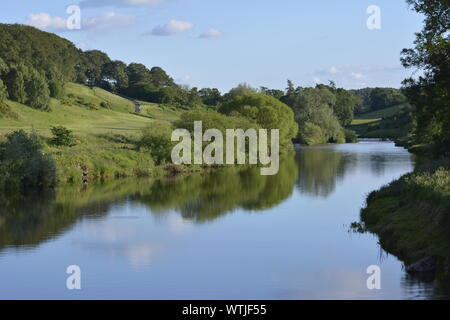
[(106, 129), (411, 215)]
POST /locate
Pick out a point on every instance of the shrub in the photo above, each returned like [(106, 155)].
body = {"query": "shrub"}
[(311, 134), (62, 137), (350, 136), (23, 165), (267, 112), (7, 112), (157, 141), (105, 105)]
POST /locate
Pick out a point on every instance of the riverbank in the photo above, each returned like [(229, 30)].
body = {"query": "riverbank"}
[(411, 217)]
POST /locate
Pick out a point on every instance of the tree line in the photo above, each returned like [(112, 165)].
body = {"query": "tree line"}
[(35, 65)]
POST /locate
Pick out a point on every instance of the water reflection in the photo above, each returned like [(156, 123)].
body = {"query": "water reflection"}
[(320, 169), (26, 222), (198, 237)]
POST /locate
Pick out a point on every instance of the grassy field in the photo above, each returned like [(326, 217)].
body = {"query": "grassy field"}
[(383, 113), (389, 123), (105, 127), (357, 122), (120, 118)]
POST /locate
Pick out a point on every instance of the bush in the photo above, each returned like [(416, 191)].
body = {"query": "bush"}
[(7, 112), (105, 105), (23, 165), (311, 134), (157, 141), (350, 136), (267, 112), (62, 137)]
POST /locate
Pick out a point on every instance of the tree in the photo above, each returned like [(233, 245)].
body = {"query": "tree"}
[(277, 94), (114, 76), (55, 83), (430, 93), (241, 90), (160, 79), (93, 62), (137, 72), (210, 97), (23, 165), (267, 112), (15, 81), (3, 90), (38, 93), (345, 106), (314, 114)]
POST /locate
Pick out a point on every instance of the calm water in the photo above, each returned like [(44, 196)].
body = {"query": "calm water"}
[(229, 235)]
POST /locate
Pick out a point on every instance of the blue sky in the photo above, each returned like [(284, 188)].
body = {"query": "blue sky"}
[(221, 43)]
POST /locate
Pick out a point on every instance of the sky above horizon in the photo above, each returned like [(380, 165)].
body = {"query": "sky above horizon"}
[(223, 43)]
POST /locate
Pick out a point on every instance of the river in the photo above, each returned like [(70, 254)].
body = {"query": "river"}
[(232, 234)]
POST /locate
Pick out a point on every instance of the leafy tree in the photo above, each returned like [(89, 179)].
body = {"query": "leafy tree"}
[(93, 62), (114, 76), (241, 90), (160, 79), (62, 136), (157, 141), (137, 72), (277, 94), (38, 93), (345, 106), (23, 165), (315, 106), (430, 92), (40, 50), (210, 96), (15, 81), (3, 91), (267, 112), (55, 83)]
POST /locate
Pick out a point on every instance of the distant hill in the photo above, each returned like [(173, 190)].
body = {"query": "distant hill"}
[(374, 99)]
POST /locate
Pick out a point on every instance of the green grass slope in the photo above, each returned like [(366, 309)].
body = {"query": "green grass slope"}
[(389, 123), (106, 129)]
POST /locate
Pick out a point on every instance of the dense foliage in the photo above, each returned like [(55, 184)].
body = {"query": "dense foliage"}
[(373, 99), (321, 112), (62, 137), (23, 165), (266, 111), (430, 92)]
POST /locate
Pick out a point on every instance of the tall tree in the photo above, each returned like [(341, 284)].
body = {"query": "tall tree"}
[(15, 81), (430, 92), (38, 93)]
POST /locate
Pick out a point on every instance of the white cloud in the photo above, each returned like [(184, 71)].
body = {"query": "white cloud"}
[(316, 80), (172, 28), (184, 79), (333, 70), (44, 21), (83, 46), (108, 21), (357, 75), (104, 22), (211, 34), (120, 3)]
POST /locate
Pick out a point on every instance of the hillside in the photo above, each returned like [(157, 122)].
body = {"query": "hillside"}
[(106, 136), (81, 111), (388, 123)]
